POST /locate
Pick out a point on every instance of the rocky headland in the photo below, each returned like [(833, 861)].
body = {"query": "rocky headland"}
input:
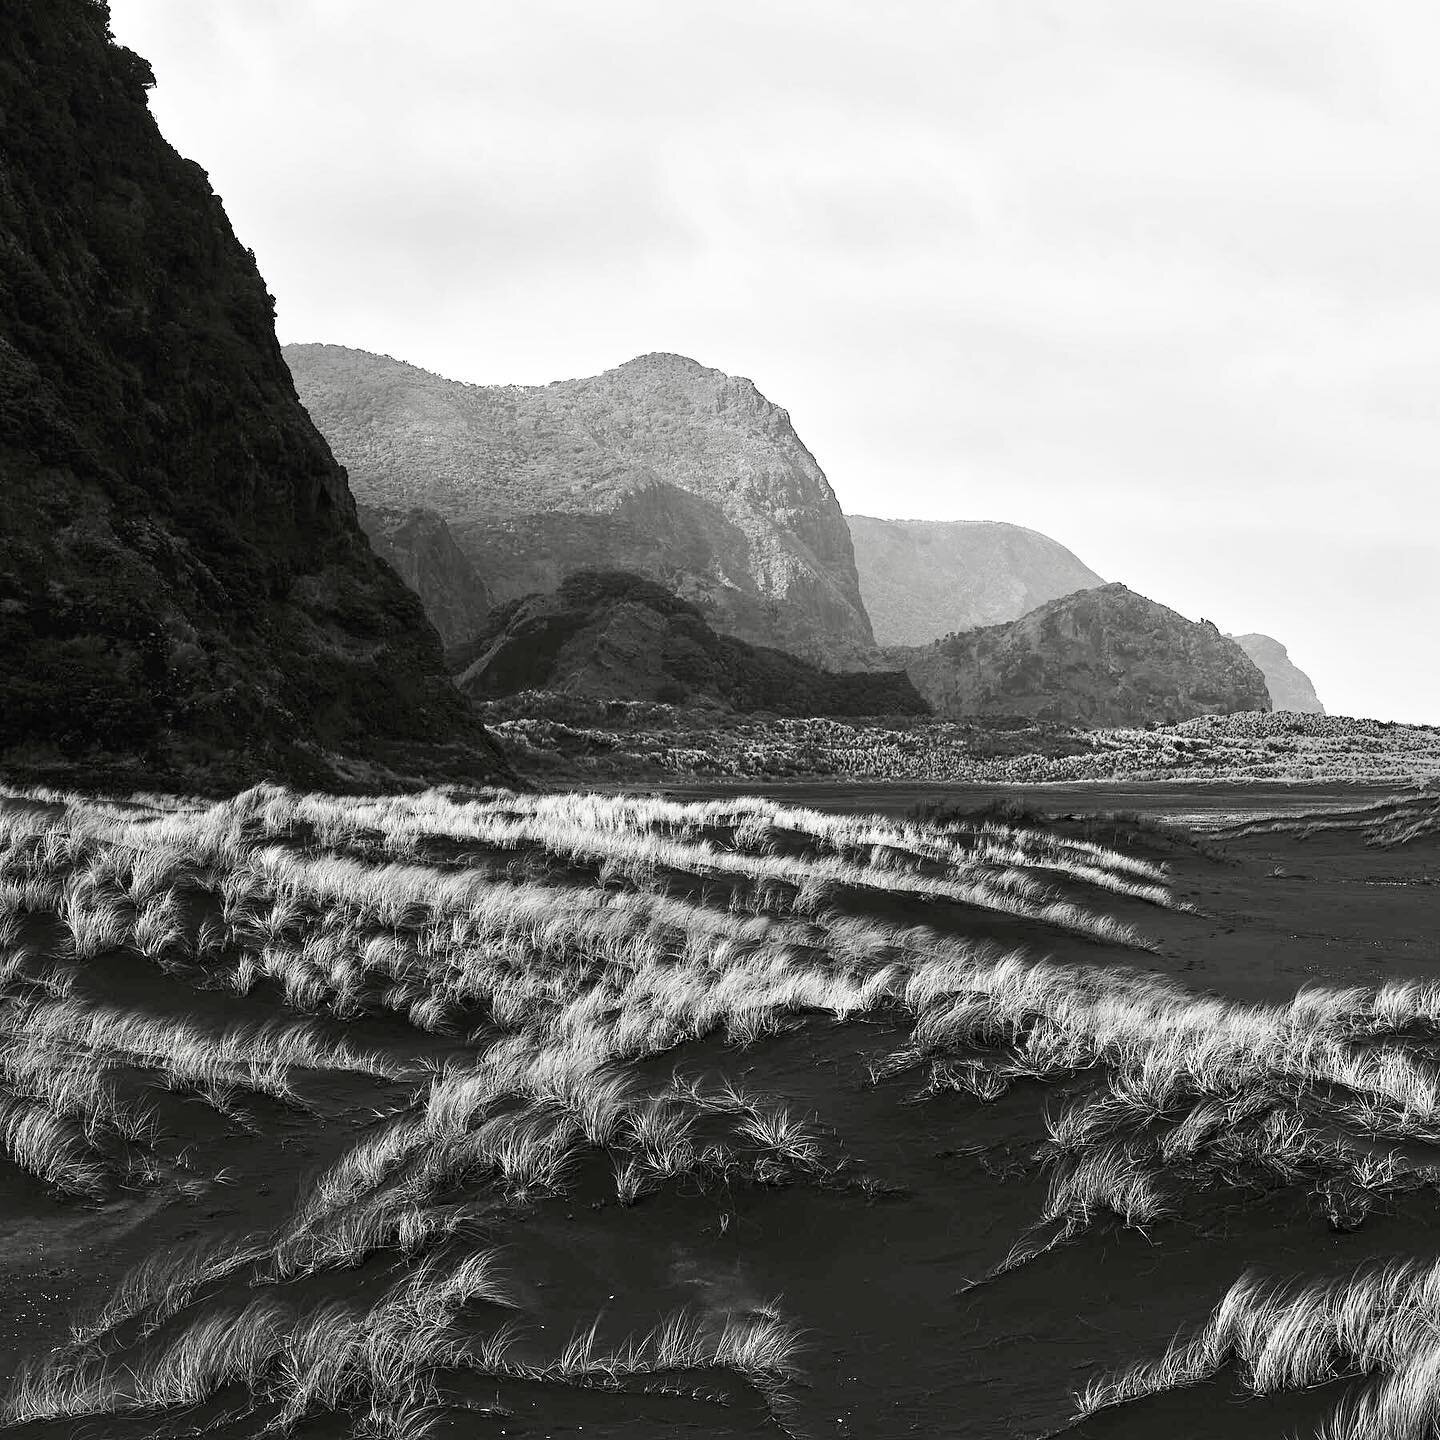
[(1104, 656), (662, 467)]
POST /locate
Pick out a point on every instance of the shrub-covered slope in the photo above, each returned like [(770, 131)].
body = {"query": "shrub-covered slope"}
[(661, 466), (1105, 656), (419, 546), (609, 634), (182, 576), (1289, 686), (922, 579)]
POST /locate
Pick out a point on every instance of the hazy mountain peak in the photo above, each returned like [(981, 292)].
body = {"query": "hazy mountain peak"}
[(661, 466), (1290, 687), (921, 579)]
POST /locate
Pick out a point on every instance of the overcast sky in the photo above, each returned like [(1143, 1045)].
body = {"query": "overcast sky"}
[(1160, 278)]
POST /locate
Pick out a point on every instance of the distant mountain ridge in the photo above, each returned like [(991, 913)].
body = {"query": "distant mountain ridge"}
[(667, 469), (1290, 687), (613, 635), (183, 581), (1104, 656), (660, 466), (922, 579)]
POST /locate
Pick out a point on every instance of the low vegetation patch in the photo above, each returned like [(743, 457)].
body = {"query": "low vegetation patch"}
[(564, 736)]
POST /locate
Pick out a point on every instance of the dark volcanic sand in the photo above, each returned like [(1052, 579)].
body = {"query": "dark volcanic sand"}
[(893, 1346)]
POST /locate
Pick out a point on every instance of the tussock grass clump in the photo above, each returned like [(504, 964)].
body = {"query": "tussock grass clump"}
[(163, 1283), (347, 1239), (50, 1147), (1391, 822), (761, 1346), (215, 1350), (387, 1360), (255, 1057), (1380, 1322), (78, 1086)]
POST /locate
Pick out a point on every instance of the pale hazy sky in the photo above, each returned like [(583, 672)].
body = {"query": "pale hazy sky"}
[(1160, 278)]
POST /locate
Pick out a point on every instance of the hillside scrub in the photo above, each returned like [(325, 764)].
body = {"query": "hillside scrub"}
[(568, 737)]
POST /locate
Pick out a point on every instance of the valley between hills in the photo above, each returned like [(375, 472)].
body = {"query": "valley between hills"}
[(519, 918)]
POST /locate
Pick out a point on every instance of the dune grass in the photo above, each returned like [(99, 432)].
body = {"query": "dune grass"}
[(1387, 823), (536, 956), (388, 1360), (1378, 1324), (51, 1148)]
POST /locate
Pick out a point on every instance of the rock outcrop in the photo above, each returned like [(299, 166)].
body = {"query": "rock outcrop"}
[(921, 579), (660, 466), (1289, 686), (1104, 656), (183, 581), (613, 635), (418, 545)]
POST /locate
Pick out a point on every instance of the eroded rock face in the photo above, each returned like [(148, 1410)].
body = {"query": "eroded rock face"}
[(418, 545), (610, 635), (1289, 686), (921, 579), (1104, 656), (661, 467), (182, 576)]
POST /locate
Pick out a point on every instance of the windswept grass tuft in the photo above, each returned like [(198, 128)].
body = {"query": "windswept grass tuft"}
[(50, 1147), (1277, 1336)]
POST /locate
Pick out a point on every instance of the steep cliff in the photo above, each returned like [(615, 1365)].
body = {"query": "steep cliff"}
[(182, 576), (613, 635), (418, 545), (1289, 686), (661, 466), (921, 579), (1104, 656)]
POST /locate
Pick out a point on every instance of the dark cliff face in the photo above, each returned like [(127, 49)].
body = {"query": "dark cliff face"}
[(1104, 656), (613, 635), (418, 546), (661, 466), (182, 575), (1289, 686), (922, 579)]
